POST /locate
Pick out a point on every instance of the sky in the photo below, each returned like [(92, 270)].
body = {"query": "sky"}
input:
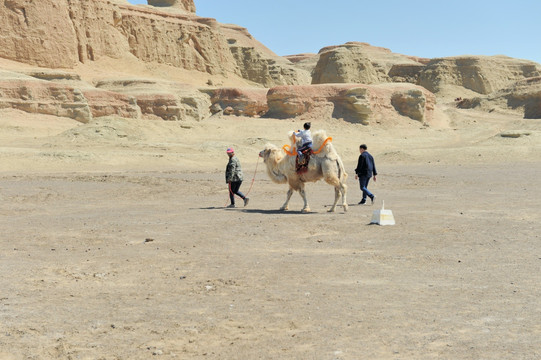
[(424, 28)]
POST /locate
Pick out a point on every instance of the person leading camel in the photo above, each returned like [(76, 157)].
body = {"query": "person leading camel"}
[(234, 177), (366, 167), (306, 138)]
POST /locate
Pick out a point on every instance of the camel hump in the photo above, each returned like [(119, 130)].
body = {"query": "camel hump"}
[(319, 138)]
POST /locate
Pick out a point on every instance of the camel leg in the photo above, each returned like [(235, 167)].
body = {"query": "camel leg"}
[(286, 204), (344, 190), (340, 190), (336, 197), (306, 208), (333, 180), (330, 174)]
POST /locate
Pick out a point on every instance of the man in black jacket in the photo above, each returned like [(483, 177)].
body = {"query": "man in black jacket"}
[(366, 167)]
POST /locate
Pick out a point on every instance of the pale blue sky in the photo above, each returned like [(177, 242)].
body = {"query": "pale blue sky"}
[(424, 28)]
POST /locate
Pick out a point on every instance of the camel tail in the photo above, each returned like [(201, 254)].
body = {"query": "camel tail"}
[(342, 175)]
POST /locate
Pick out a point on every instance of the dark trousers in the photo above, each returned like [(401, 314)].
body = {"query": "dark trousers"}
[(234, 190), (363, 182), (304, 147)]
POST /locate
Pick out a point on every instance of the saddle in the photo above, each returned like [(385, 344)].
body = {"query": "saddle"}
[(301, 162)]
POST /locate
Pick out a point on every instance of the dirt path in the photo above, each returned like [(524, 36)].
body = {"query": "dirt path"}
[(127, 265)]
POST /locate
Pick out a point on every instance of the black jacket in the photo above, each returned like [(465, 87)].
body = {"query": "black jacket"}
[(366, 165)]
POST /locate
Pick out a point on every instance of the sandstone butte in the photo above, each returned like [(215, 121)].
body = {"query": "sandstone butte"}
[(90, 58)]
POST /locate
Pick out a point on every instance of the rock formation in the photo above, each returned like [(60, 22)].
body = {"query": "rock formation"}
[(482, 74), (185, 5), (411, 103), (162, 99), (362, 63), (71, 34), (37, 33), (259, 64), (357, 63), (82, 103), (56, 34), (357, 103), (241, 101), (63, 34), (523, 96)]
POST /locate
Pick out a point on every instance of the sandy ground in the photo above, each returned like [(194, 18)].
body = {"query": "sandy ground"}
[(116, 243)]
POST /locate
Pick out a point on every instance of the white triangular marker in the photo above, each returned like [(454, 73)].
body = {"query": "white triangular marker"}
[(382, 217)]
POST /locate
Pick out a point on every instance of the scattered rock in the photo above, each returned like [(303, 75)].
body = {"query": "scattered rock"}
[(514, 134)]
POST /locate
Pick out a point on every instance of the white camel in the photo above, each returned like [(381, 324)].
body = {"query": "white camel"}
[(324, 164)]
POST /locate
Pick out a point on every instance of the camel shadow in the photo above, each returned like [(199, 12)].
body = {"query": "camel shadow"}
[(277, 212), (255, 211), (262, 211)]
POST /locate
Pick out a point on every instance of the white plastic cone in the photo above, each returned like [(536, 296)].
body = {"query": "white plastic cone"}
[(382, 217)]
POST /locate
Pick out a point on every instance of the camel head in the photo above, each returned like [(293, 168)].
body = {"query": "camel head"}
[(271, 157), (271, 152), (294, 140)]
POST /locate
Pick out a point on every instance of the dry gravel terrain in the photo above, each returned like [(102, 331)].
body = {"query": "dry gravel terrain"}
[(116, 244)]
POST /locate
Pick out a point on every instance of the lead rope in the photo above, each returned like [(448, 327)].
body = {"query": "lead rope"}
[(253, 178)]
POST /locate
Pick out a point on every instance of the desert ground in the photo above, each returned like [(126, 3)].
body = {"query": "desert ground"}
[(116, 243)]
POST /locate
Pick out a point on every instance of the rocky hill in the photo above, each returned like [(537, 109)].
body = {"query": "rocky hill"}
[(89, 58)]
